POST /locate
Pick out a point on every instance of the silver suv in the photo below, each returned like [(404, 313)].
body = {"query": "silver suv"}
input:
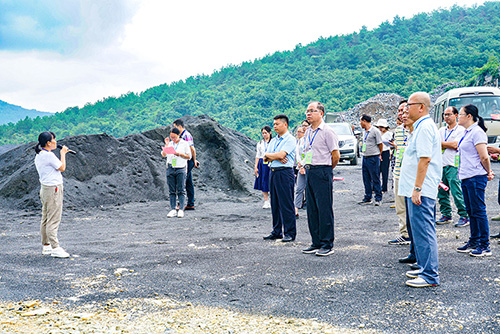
[(348, 143)]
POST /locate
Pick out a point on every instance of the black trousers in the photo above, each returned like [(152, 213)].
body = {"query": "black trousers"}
[(281, 190), (384, 168), (319, 198)]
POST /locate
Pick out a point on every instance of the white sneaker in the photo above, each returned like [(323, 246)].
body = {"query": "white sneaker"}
[(172, 214), (180, 213), (59, 252), (47, 250), (267, 205)]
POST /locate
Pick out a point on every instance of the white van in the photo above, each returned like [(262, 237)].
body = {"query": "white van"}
[(486, 99)]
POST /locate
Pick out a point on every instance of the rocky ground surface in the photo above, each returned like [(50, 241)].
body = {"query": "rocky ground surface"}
[(132, 270)]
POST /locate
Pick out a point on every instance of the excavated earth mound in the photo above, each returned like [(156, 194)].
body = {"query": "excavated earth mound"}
[(110, 171)]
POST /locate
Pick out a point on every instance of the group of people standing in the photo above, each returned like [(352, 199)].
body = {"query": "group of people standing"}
[(181, 158), (428, 164), (313, 156)]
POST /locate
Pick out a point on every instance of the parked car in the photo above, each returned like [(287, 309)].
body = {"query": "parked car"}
[(348, 143)]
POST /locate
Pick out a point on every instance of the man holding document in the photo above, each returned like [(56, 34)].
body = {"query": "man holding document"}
[(177, 152)]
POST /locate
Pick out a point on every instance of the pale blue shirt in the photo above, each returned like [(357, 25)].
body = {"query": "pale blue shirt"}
[(424, 142), (470, 162), (286, 143)]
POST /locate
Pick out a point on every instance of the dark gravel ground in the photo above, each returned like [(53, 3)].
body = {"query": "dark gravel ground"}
[(216, 256)]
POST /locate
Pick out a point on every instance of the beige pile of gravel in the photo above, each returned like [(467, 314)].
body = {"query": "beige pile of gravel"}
[(153, 315)]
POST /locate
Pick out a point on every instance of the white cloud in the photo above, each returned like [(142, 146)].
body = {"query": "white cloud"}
[(132, 45)]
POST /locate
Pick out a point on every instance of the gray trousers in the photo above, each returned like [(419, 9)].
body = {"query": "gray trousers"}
[(52, 202), (300, 187), (176, 180)]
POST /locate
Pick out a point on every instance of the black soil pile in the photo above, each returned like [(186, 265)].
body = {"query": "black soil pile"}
[(111, 171)]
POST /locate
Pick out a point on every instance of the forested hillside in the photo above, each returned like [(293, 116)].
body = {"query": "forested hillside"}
[(401, 57), (10, 113)]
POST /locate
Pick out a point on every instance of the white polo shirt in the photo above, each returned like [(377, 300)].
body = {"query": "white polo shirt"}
[(47, 166), (182, 147)]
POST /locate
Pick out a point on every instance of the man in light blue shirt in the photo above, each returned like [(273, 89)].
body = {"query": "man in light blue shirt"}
[(281, 155), (420, 176)]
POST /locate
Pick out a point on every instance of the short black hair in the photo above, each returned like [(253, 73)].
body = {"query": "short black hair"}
[(179, 122), (366, 118), (454, 109), (401, 102), (282, 117), (176, 131)]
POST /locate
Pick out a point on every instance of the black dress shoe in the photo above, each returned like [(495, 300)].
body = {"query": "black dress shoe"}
[(311, 250), (414, 266), (287, 239), (407, 260), (495, 236), (272, 237)]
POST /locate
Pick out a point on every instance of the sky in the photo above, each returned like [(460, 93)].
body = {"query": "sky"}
[(56, 54)]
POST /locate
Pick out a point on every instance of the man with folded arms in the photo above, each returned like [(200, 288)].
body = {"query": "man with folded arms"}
[(281, 155)]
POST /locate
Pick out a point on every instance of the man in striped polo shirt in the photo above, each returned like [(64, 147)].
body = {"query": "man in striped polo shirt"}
[(400, 138)]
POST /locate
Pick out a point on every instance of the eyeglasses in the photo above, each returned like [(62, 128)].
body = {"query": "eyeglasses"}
[(407, 106), (310, 111), (448, 115)]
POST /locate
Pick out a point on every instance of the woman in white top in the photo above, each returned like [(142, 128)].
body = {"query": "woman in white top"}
[(176, 171), (387, 142), (300, 182), (49, 169), (261, 168)]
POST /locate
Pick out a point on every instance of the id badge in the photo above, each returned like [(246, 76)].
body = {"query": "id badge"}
[(308, 158), (442, 151), (457, 160), (401, 153), (363, 148), (174, 162)]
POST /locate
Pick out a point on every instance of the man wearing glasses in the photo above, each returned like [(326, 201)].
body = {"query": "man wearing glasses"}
[(420, 176), (450, 135), (321, 155)]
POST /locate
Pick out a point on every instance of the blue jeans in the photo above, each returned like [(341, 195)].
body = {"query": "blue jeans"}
[(371, 177), (423, 231), (473, 189), (176, 180)]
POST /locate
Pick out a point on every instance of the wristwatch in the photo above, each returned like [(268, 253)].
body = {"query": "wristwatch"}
[(417, 189)]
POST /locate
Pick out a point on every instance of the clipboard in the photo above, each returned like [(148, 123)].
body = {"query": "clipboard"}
[(169, 150)]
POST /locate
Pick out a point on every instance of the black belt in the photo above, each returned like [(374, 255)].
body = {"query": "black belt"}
[(276, 169), (316, 166)]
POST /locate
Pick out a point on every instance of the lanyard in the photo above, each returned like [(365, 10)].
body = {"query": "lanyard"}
[(446, 137), (44, 149), (175, 146), (278, 142), (416, 125), (266, 145), (460, 142), (366, 136), (312, 140)]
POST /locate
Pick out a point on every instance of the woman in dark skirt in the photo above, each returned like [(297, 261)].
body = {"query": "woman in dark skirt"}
[(261, 167)]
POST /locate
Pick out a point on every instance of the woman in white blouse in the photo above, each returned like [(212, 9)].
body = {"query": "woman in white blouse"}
[(261, 167)]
